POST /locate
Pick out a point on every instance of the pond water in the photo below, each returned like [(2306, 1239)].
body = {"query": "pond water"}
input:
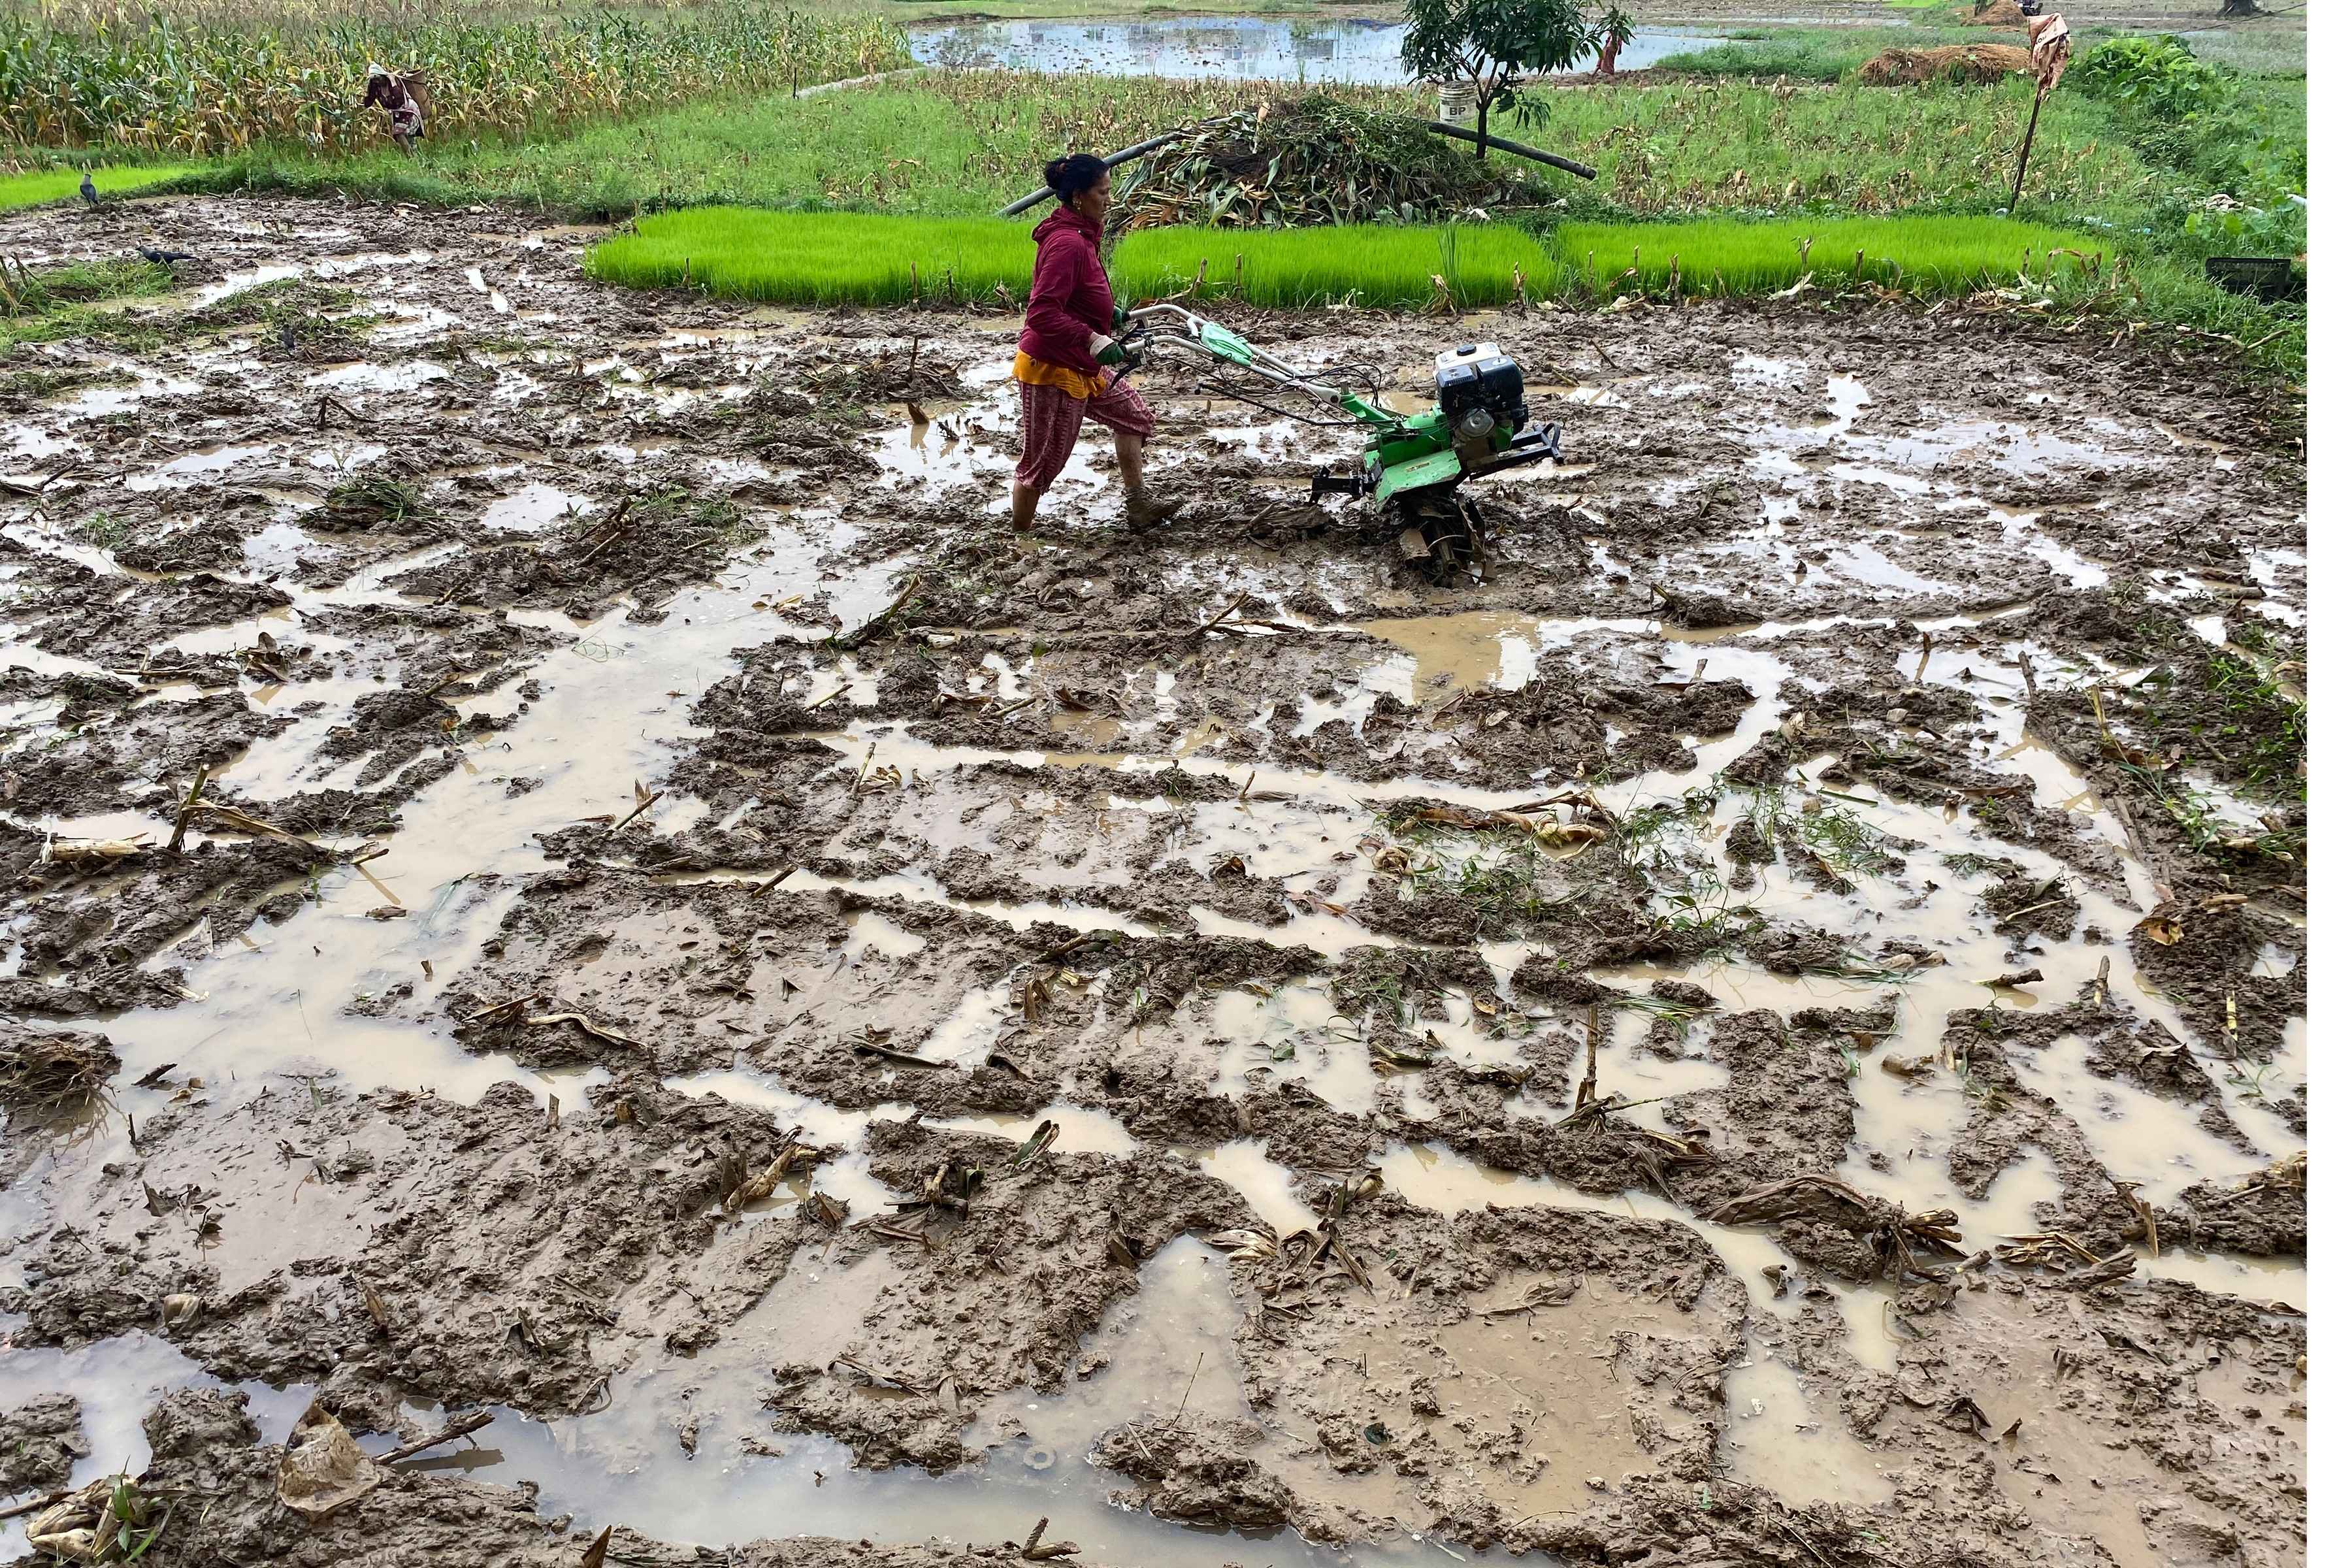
[(1344, 49)]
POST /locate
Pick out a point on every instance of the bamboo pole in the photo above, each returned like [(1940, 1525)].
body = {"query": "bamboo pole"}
[(2018, 188)]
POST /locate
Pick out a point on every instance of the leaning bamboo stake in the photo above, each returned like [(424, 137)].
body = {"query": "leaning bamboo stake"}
[(2048, 37)]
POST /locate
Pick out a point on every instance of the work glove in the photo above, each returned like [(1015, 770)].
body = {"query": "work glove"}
[(1106, 350), (1118, 316)]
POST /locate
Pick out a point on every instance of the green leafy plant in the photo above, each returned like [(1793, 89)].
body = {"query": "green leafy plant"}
[(1495, 45), (124, 1527), (2158, 76)]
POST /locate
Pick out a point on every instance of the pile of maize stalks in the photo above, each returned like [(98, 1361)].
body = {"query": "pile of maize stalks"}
[(1313, 160)]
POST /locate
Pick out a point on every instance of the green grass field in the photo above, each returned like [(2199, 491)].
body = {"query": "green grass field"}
[(53, 185), (964, 146)]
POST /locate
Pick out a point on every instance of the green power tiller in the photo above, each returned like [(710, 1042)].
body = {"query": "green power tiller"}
[(1414, 465)]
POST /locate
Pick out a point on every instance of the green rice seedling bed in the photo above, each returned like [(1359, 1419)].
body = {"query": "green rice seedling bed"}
[(1937, 254), (54, 185), (819, 259), (875, 259)]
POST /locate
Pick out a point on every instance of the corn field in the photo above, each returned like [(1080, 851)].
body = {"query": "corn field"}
[(230, 80)]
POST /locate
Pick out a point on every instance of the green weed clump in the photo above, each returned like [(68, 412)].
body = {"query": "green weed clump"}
[(819, 259), (56, 185), (1371, 265), (52, 303), (1940, 254), (229, 83)]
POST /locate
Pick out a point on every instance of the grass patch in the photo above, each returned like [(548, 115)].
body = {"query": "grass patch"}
[(1373, 266), (374, 501), (2209, 826), (33, 386), (320, 315), (1500, 877), (949, 144), (819, 259), (1804, 54), (78, 301), (105, 530), (1662, 846), (56, 185), (271, 302), (1750, 147)]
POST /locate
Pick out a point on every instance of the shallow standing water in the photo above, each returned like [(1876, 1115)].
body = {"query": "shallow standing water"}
[(1359, 51)]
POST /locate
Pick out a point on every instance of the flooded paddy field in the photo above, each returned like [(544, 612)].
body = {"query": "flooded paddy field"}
[(562, 863)]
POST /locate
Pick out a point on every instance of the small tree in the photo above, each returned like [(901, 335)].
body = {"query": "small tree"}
[(1494, 45)]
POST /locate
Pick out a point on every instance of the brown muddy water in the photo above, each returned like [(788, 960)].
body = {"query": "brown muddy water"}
[(1259, 1054)]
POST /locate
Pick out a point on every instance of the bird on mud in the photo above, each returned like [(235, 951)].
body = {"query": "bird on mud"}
[(89, 190)]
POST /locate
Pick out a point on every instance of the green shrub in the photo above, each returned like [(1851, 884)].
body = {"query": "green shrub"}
[(2158, 78), (2219, 132)]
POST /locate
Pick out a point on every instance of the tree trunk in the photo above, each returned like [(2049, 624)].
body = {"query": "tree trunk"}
[(1483, 103)]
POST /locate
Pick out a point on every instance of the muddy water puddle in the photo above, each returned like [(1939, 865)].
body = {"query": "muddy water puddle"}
[(118, 1382), (684, 1452)]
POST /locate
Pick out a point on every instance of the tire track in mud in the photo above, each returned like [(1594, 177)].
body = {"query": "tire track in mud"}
[(1184, 844)]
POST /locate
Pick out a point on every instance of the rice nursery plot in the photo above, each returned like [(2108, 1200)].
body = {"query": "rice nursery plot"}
[(819, 259), (53, 185), (832, 259), (1939, 255), (1363, 263)]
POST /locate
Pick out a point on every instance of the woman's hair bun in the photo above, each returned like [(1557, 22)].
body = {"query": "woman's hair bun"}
[(1068, 177)]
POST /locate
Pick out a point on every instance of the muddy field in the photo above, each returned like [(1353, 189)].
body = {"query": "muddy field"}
[(562, 862)]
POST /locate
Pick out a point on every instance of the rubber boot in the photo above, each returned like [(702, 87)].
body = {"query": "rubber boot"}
[(1144, 514)]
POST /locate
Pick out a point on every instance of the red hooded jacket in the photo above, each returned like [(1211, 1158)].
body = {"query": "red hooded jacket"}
[(1069, 295)]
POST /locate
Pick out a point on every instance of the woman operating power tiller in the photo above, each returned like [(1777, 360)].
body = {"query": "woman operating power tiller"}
[(1067, 361)]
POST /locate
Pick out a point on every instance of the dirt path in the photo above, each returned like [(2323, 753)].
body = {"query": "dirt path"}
[(1652, 1045)]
